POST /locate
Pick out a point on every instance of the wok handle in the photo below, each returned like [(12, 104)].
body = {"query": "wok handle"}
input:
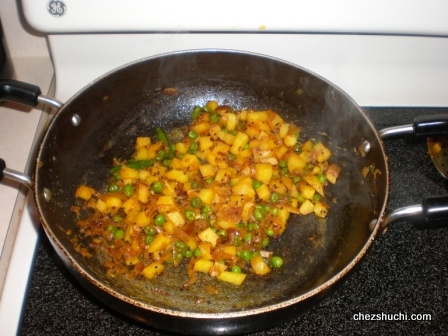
[(422, 127), (19, 92), (14, 175), (432, 213), (431, 125)]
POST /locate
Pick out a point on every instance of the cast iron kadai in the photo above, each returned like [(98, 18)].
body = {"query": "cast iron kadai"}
[(101, 122)]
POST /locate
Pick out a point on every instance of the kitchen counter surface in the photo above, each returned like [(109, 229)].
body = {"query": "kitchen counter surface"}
[(405, 271)]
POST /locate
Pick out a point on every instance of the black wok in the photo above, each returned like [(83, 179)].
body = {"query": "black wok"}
[(102, 121)]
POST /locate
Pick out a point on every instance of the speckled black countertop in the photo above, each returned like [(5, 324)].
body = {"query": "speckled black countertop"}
[(405, 271)]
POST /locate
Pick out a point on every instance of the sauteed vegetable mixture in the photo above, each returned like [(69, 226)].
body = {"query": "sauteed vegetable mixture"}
[(212, 201)]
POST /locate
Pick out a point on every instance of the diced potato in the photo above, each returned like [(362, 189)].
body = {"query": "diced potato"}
[(263, 172), (283, 131), (205, 142), (128, 173), (142, 154), (113, 203), (207, 170), (84, 192), (313, 181), (142, 219), (131, 204), (190, 162), (240, 141), (177, 175), (132, 260), (295, 163), (101, 206), (206, 196), (332, 173), (320, 152), (142, 142), (176, 217), (203, 265), (231, 277), (231, 250), (142, 193), (202, 127), (306, 207), (166, 200), (208, 235), (259, 266), (244, 188), (320, 209), (263, 192), (159, 243), (306, 190), (290, 140), (152, 270)]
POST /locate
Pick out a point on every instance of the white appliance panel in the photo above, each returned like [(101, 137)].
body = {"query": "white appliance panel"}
[(374, 70), (343, 16)]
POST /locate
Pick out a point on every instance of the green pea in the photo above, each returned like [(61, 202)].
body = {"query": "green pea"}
[(188, 254), (233, 132), (236, 269), (222, 233), (275, 211), (206, 209), (179, 256), (258, 214), (118, 218), (149, 239), (265, 242), (160, 155), (253, 226), (246, 146), (193, 148), (269, 232), (157, 187), (117, 176), (282, 164), (128, 190), (196, 202), (241, 225), (317, 197), (159, 220), (231, 157), (181, 246), (321, 178), (245, 255), (114, 187), (111, 228), (296, 179), (247, 237), (195, 185), (167, 162), (190, 214), (256, 184), (285, 171), (192, 134), (209, 180), (149, 230), (276, 262), (197, 252), (275, 196), (196, 112), (119, 234), (214, 118)]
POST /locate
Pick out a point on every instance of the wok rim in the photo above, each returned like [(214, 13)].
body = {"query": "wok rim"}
[(74, 266)]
